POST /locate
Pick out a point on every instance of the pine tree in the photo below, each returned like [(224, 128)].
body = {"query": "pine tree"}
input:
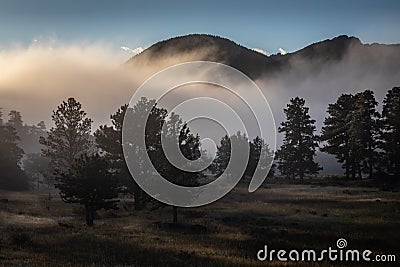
[(296, 156), (109, 139), (69, 138), (223, 155), (90, 182), (29, 134), (260, 153), (391, 131), (363, 129), (335, 130), (12, 177), (189, 145)]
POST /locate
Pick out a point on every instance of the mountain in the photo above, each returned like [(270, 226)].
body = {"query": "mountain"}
[(213, 48), (319, 72)]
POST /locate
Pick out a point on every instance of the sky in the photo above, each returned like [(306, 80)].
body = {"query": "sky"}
[(51, 50), (266, 25)]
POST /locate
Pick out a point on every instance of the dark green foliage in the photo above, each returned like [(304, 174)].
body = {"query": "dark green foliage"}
[(391, 131), (363, 133), (90, 182), (296, 156), (352, 133)]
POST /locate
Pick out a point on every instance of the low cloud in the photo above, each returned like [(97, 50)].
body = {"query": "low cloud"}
[(35, 79), (282, 51), (135, 51), (261, 51)]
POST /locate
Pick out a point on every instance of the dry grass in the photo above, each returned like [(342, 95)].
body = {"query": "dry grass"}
[(228, 232)]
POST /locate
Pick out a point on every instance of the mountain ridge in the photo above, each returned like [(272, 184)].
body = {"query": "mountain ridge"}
[(206, 47)]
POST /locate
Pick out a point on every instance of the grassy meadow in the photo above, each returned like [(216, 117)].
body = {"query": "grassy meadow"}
[(312, 214)]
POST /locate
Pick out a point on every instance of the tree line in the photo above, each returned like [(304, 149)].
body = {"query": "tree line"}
[(90, 169), (363, 140)]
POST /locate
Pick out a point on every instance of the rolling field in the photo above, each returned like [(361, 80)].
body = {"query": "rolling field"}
[(229, 232)]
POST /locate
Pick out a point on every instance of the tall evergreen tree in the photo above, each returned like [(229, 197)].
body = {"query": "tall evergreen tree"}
[(12, 177), (335, 131), (296, 156), (69, 138), (363, 128), (391, 131), (109, 140), (29, 134), (189, 145)]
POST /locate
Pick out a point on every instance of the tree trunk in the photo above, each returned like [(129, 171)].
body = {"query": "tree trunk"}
[(88, 215), (371, 170), (353, 170), (175, 214), (137, 194), (347, 160), (301, 174)]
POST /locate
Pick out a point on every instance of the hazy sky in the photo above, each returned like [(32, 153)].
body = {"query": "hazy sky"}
[(268, 25), (51, 50)]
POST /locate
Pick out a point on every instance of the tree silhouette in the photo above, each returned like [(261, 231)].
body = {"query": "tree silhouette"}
[(223, 154), (363, 132), (391, 131), (189, 144), (260, 152), (37, 167), (296, 156), (28, 134), (69, 138), (90, 182), (109, 139), (12, 177), (336, 130)]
